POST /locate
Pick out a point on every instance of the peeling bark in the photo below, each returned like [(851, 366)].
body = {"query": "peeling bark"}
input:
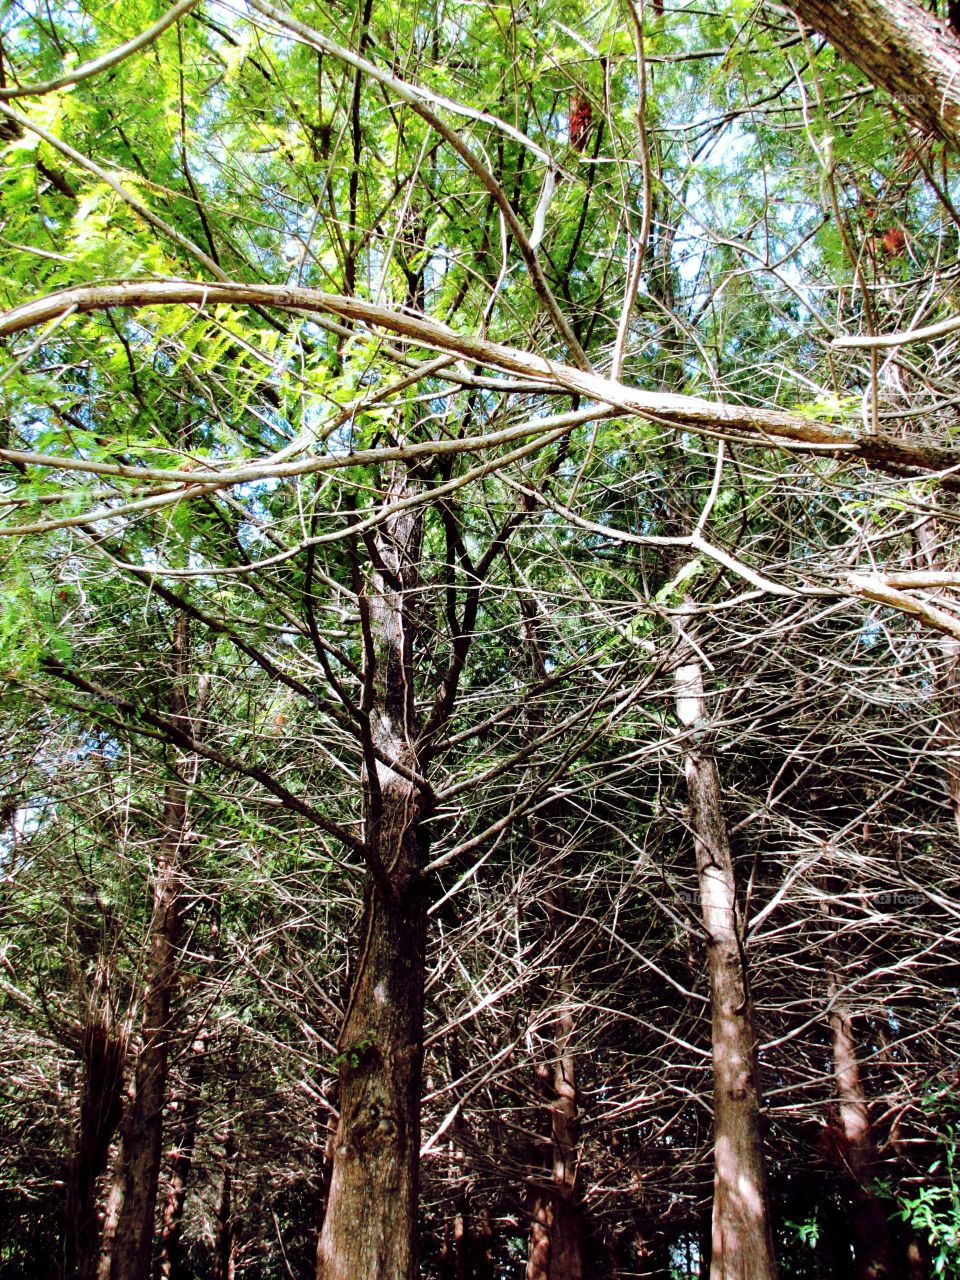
[(103, 1050)]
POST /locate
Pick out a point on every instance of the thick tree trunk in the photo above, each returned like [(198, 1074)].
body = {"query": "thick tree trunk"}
[(742, 1232), (142, 1134), (556, 1237), (903, 49), (370, 1227), (876, 1257)]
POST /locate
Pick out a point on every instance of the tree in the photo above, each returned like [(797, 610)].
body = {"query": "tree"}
[(507, 422)]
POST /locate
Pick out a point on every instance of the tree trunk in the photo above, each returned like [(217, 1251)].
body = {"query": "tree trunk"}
[(370, 1227), (903, 49), (171, 1260), (916, 1252), (931, 544), (467, 1252), (555, 1250), (742, 1233), (171, 1263), (556, 1221), (111, 1213), (873, 1246), (479, 1248), (103, 1051), (653, 1259), (142, 1134), (556, 1237), (223, 1248)]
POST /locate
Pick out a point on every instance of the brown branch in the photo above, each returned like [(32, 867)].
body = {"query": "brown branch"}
[(769, 427)]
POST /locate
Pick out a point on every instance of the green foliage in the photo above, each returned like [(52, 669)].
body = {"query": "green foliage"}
[(355, 1054), (541, 604), (933, 1209)]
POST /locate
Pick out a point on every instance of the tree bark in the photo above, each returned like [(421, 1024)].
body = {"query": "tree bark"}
[(556, 1237), (931, 547), (467, 1252), (556, 1219), (555, 1250), (742, 1232), (111, 1213), (903, 49), (171, 1260), (370, 1226), (873, 1246), (103, 1050), (478, 1247), (142, 1133), (223, 1247)]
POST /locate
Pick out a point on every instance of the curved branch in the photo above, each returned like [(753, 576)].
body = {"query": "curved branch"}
[(106, 60), (769, 427)]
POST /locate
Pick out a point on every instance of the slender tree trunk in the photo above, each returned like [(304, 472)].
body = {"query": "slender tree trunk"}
[(452, 1261), (223, 1249), (171, 1263), (142, 1134), (556, 1222), (111, 1213), (479, 1248), (555, 1249), (874, 1252), (742, 1232), (171, 1260), (464, 1253), (467, 1252), (652, 1259), (370, 1227), (948, 677), (103, 1051)]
